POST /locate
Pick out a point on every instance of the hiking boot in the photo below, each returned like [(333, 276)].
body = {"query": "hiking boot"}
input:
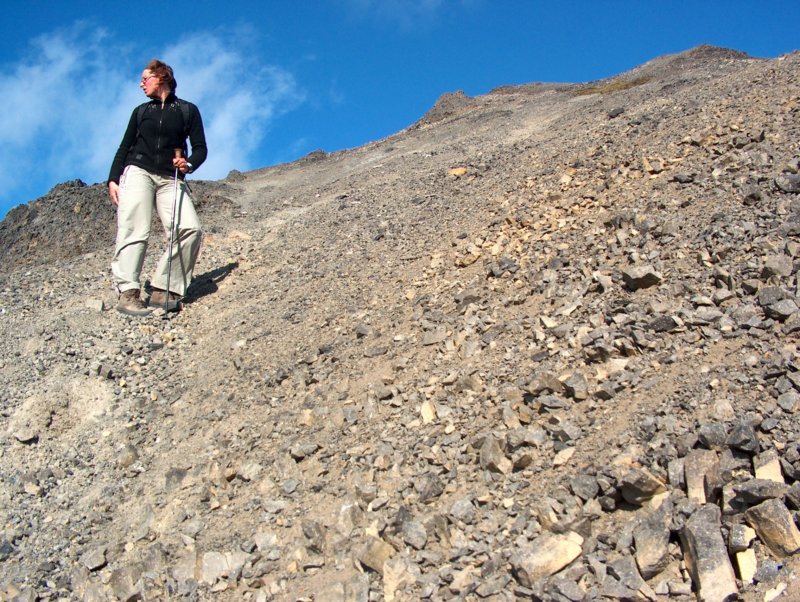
[(131, 304), (160, 298)]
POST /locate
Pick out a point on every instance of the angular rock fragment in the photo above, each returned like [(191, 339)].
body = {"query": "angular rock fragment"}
[(624, 570), (701, 468), (651, 540), (793, 496), (26, 434), (493, 456), (463, 510), (94, 559), (789, 401), (712, 435), (740, 537), (781, 310), (743, 437), (314, 533), (374, 553), (788, 183), (584, 486), (641, 277), (414, 534), (434, 337), (125, 582), (706, 556), (217, 565), (639, 485), (545, 556), (777, 265), (398, 573), (755, 491), (747, 565), (577, 387), (767, 465), (775, 527)]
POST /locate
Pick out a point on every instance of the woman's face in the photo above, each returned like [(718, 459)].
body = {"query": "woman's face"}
[(149, 83)]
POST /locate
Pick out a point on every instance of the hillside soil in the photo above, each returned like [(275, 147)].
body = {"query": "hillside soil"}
[(541, 344)]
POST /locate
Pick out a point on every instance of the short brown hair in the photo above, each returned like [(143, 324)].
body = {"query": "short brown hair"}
[(163, 72)]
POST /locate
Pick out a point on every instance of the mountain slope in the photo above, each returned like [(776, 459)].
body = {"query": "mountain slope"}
[(532, 320)]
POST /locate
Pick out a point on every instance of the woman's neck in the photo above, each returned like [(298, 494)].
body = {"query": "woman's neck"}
[(162, 93)]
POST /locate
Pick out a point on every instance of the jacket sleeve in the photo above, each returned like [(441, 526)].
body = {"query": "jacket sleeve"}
[(118, 165), (197, 139)]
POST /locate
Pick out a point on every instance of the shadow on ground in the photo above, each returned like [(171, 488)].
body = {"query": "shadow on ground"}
[(206, 284)]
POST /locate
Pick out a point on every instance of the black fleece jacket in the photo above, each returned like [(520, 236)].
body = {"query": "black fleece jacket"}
[(150, 144)]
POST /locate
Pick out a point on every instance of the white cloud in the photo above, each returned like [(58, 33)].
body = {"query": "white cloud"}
[(238, 98), (68, 101), (51, 100), (409, 15)]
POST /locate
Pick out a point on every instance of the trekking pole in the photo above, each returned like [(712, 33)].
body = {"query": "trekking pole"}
[(167, 294)]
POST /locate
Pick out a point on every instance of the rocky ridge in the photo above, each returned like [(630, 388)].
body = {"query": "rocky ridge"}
[(542, 344)]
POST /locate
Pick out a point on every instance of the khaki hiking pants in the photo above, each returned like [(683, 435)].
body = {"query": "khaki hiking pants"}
[(139, 192)]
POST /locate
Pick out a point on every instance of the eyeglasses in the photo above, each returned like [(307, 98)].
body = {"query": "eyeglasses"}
[(144, 79)]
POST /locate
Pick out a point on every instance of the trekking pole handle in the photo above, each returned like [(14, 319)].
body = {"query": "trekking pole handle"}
[(178, 152)]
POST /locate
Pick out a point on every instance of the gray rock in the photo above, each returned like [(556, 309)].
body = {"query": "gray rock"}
[(639, 485), (755, 491), (94, 559), (302, 450), (793, 495), (641, 277), (789, 401), (314, 533), (434, 337), (625, 571), (663, 324), (706, 556), (584, 486), (373, 352), (429, 488), (26, 434), (740, 537), (463, 511), (492, 456), (414, 534), (743, 437), (566, 432), (651, 539), (788, 183), (777, 265), (713, 436), (577, 387), (782, 310)]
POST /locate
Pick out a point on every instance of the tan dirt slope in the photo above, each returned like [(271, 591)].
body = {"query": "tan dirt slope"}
[(541, 344)]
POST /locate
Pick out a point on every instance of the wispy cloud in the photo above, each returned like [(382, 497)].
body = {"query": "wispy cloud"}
[(69, 99), (408, 15), (239, 98)]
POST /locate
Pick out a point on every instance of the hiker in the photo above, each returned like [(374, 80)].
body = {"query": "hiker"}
[(143, 177)]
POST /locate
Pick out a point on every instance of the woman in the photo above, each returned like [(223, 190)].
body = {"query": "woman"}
[(143, 177)]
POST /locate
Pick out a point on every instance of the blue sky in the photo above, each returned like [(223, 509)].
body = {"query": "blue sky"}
[(277, 80)]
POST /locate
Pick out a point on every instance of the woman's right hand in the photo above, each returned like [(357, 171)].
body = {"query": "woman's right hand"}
[(113, 193)]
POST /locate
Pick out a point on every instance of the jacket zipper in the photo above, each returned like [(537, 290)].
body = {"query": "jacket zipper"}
[(158, 143)]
